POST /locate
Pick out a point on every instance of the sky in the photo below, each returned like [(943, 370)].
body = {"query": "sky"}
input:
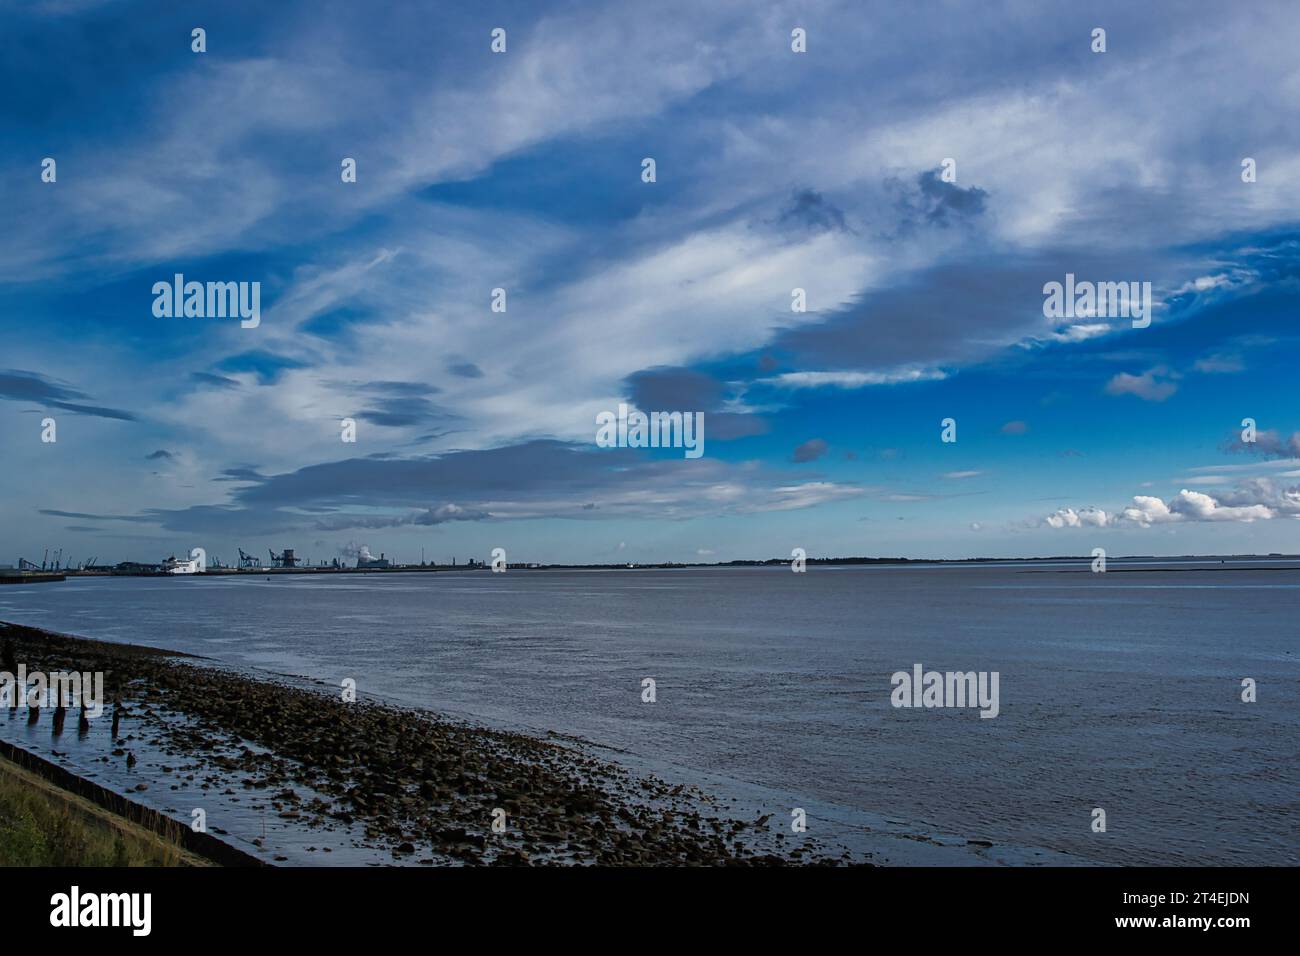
[(920, 170)]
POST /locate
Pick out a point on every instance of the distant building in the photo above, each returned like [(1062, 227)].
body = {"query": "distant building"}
[(285, 559), (174, 565), (379, 562)]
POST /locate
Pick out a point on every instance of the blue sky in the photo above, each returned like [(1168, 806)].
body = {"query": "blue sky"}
[(522, 170)]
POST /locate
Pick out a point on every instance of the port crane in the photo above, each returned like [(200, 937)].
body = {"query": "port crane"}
[(45, 562), (248, 560), (284, 559)]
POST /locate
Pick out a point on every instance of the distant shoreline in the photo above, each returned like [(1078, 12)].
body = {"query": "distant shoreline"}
[(1216, 561)]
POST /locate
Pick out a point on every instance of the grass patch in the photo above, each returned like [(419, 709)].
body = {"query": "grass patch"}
[(41, 825)]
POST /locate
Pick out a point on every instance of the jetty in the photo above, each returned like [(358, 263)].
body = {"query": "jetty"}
[(30, 577)]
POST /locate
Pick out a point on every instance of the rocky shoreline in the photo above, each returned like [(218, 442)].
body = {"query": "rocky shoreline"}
[(426, 788)]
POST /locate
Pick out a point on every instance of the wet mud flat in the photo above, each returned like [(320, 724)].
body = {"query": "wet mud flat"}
[(369, 782)]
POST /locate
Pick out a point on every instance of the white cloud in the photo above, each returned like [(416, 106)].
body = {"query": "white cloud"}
[(853, 379), (1255, 500), (1198, 506), (1146, 510), (1153, 385), (1081, 333), (1220, 364), (1070, 518), (790, 497)]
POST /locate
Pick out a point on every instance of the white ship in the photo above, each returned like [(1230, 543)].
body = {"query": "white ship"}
[(175, 566)]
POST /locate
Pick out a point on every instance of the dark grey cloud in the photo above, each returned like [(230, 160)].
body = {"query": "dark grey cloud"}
[(543, 467), (542, 478), (910, 206), (665, 388), (401, 412), (926, 320), (392, 388), (88, 517), (465, 370), (436, 435), (18, 385), (810, 450), (1267, 444), (320, 496), (810, 210), (341, 323), (162, 454), (216, 381), (728, 426), (395, 404), (428, 517), (449, 512), (267, 366), (95, 411), (240, 473), (941, 203), (929, 318), (676, 389), (225, 521)]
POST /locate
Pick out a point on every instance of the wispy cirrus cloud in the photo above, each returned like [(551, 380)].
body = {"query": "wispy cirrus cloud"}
[(522, 172), (851, 380)]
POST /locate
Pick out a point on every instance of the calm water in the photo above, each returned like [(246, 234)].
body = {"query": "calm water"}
[(1119, 691)]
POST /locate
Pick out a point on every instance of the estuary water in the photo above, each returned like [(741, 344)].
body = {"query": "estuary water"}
[(1119, 691)]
